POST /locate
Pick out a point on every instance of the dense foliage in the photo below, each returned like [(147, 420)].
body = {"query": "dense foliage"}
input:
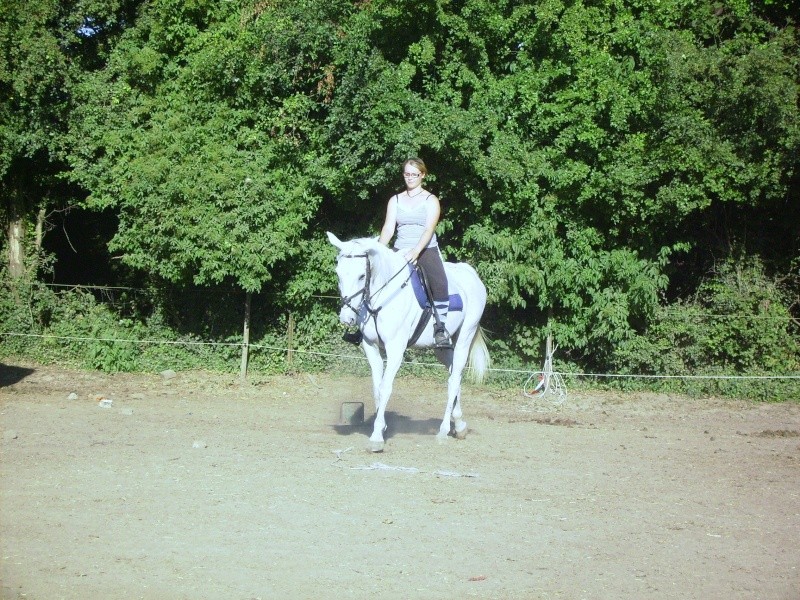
[(615, 170)]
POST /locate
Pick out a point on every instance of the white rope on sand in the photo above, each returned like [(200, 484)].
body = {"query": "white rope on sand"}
[(339, 453), (379, 466)]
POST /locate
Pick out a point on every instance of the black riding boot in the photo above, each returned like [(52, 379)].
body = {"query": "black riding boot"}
[(354, 337)]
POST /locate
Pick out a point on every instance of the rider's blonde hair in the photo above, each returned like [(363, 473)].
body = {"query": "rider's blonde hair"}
[(418, 163)]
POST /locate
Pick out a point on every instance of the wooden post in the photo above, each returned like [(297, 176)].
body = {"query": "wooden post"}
[(245, 336), (290, 340), (548, 347)]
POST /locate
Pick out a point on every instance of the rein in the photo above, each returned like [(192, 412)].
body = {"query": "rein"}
[(364, 292)]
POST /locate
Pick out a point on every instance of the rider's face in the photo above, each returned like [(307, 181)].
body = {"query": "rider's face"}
[(413, 177)]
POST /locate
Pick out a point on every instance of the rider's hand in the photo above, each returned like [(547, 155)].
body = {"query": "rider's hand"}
[(412, 255)]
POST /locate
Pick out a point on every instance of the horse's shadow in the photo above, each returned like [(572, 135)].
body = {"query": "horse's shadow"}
[(9, 375), (396, 423)]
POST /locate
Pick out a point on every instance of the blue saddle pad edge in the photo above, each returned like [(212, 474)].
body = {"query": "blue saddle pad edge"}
[(456, 303)]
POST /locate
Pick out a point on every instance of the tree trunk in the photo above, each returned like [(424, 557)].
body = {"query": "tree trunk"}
[(16, 247), (15, 233), (40, 229)]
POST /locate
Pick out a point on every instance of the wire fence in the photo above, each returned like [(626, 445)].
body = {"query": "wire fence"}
[(288, 349), (285, 355)]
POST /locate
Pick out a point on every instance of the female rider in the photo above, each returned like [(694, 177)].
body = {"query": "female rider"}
[(413, 215)]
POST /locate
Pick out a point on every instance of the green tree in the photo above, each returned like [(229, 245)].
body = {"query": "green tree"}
[(44, 47), (201, 135), (577, 146), (593, 159)]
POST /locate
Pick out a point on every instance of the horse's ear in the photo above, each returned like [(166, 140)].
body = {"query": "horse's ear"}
[(334, 240)]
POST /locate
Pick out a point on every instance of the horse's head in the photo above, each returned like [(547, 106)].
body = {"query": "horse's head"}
[(354, 272), (363, 266)]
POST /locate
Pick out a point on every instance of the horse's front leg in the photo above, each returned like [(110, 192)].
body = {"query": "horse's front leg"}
[(394, 358), (375, 360)]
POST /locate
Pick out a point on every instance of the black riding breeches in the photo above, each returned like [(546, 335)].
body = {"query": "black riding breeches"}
[(430, 260)]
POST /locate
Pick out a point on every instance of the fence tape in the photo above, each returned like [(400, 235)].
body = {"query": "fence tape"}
[(357, 357)]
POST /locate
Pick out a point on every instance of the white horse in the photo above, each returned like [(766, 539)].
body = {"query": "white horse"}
[(378, 297)]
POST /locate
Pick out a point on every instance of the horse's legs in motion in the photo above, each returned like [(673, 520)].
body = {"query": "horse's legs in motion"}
[(460, 424), (394, 358), (453, 408), (375, 360)]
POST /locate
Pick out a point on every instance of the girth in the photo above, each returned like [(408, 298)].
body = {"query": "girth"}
[(421, 324)]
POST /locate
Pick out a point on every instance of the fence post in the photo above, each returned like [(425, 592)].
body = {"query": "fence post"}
[(245, 337), (290, 340)]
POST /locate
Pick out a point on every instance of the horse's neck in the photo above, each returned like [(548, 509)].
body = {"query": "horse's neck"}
[(386, 267)]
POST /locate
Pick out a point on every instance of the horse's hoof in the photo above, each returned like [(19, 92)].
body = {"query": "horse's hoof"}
[(376, 446), (461, 430), (441, 438)]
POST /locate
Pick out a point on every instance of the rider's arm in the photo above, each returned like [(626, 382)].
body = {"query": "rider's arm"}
[(389, 225)]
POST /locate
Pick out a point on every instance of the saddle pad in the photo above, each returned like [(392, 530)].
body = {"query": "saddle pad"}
[(456, 303)]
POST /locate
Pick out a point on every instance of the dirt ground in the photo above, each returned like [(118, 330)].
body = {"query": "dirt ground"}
[(202, 487)]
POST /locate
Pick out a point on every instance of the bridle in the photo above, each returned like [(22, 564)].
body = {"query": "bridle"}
[(364, 292)]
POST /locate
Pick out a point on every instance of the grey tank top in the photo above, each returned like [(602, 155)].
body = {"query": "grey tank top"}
[(411, 224)]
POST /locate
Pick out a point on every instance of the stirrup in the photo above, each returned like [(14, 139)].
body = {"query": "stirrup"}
[(441, 339), (354, 337)]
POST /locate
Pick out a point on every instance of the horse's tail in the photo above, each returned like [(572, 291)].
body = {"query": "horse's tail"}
[(479, 360)]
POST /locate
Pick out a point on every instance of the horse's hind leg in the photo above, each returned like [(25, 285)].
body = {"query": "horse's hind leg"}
[(460, 424), (456, 415), (453, 408)]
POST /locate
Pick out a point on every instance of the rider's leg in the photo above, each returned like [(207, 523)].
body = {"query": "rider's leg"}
[(431, 262)]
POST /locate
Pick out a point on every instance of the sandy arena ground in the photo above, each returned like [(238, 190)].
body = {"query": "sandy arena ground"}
[(201, 487)]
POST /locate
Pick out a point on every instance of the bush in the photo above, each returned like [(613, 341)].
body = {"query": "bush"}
[(737, 323), (75, 326), (25, 308)]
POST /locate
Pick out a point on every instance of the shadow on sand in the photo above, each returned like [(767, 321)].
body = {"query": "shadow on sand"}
[(396, 423), (9, 375)]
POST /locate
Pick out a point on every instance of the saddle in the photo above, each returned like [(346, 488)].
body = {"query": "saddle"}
[(423, 295)]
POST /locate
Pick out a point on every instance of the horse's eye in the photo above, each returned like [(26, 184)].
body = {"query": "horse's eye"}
[(361, 278)]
